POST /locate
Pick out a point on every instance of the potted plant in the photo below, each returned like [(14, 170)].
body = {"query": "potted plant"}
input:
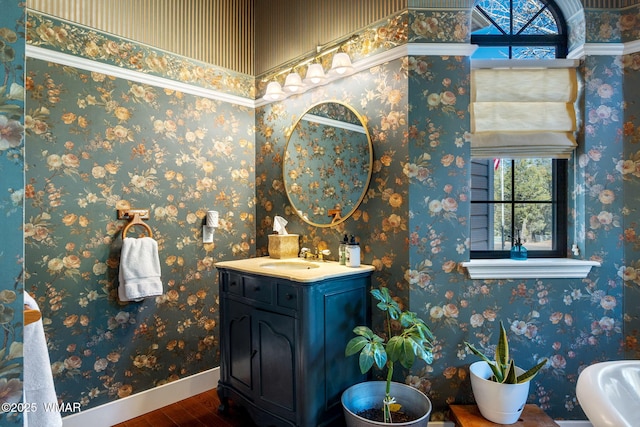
[(499, 386), (383, 402)]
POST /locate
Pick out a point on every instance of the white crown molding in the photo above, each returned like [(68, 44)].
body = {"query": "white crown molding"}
[(411, 49), (442, 49), (632, 47), (40, 53), (604, 49)]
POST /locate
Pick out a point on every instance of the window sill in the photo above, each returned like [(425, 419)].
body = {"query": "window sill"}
[(534, 268)]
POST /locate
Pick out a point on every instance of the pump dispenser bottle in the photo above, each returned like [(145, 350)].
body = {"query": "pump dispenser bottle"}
[(353, 253), (342, 250)]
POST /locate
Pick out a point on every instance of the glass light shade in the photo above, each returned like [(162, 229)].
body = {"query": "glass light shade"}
[(315, 74), (274, 92), (341, 64), (293, 83)]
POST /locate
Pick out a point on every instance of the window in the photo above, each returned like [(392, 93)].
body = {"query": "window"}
[(513, 194), (518, 29), (523, 198)]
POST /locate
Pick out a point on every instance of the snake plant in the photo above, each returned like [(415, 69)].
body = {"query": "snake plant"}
[(503, 367)]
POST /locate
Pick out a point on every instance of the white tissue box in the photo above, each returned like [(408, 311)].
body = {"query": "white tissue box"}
[(283, 245)]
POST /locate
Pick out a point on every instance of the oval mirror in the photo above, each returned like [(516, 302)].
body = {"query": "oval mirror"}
[(327, 163)]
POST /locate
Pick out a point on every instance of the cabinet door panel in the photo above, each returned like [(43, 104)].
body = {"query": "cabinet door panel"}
[(342, 311), (276, 360), (240, 348)]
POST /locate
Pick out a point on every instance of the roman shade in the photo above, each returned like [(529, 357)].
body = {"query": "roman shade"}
[(523, 112)]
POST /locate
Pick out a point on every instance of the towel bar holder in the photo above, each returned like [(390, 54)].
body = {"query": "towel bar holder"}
[(31, 315), (135, 217)]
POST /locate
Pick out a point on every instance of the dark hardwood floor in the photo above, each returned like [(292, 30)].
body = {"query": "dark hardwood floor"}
[(197, 411)]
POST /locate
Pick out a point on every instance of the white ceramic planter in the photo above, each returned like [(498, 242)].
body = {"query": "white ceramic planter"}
[(499, 403)]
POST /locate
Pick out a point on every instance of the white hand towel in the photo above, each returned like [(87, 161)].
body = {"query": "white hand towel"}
[(139, 273), (38, 378)]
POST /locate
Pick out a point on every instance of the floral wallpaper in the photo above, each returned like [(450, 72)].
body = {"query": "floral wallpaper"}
[(11, 196), (413, 226), (96, 144), (626, 167), (439, 26), (612, 26)]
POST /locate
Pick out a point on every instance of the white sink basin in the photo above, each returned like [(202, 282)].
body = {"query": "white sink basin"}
[(609, 393), (290, 265)]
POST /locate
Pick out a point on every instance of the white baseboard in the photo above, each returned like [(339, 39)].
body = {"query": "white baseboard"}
[(576, 423), (130, 407), (140, 403)]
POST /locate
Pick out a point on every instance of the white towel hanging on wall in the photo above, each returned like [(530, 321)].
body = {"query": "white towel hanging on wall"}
[(139, 275), (38, 387)]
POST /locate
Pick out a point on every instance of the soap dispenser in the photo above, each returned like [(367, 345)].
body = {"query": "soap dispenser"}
[(342, 250), (352, 258)]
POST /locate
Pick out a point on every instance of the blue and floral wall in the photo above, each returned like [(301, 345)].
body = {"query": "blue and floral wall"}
[(95, 142), (11, 196), (413, 223), (627, 167)]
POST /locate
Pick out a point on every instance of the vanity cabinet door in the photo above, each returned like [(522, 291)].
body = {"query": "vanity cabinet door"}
[(275, 362), (241, 348)]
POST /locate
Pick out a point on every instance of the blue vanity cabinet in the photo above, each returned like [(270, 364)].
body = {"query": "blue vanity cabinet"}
[(282, 345)]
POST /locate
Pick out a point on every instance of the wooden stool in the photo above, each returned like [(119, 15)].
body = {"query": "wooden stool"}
[(469, 416)]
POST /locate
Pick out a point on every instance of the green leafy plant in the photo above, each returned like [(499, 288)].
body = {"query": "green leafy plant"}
[(414, 341), (503, 367)]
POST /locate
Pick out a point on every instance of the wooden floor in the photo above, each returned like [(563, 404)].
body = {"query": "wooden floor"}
[(197, 411)]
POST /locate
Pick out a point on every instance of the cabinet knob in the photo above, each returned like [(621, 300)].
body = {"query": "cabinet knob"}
[(256, 288), (233, 283), (288, 296)]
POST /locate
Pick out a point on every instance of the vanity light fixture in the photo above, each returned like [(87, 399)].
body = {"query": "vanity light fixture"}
[(293, 83), (274, 92), (341, 64), (315, 74)]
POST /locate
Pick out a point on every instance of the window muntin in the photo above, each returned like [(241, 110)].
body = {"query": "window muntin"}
[(525, 196), (519, 29)]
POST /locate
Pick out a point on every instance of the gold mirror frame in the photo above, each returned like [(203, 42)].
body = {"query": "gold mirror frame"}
[(317, 164)]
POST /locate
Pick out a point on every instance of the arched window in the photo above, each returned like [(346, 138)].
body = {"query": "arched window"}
[(518, 29), (517, 196)]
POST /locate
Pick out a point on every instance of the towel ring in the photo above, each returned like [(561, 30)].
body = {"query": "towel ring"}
[(136, 221)]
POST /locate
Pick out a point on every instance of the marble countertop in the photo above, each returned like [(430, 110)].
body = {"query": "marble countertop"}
[(296, 269)]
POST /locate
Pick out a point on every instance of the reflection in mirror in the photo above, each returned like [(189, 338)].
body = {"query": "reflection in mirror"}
[(327, 163)]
